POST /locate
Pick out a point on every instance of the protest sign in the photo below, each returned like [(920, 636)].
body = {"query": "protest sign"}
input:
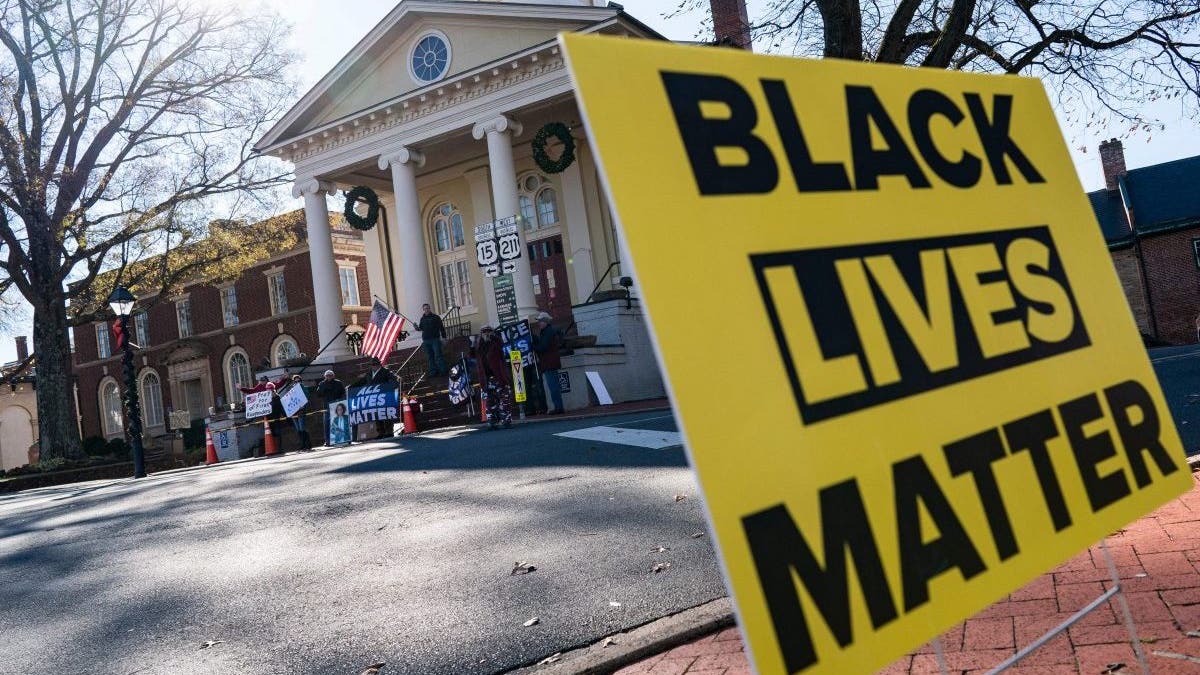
[(258, 404)]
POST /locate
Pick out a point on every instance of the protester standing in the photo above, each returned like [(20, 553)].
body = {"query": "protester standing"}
[(275, 417), (495, 377), (331, 390), (535, 396), (547, 343), (382, 376), (432, 334), (298, 419)]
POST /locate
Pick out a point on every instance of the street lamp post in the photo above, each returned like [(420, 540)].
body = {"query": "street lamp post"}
[(121, 302)]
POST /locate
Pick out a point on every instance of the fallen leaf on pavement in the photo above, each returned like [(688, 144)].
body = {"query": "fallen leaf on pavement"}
[(1112, 668), (608, 641), (550, 659), (210, 643), (659, 567), (521, 568), (660, 549), (1193, 633), (373, 669), (680, 498), (697, 535), (532, 622)]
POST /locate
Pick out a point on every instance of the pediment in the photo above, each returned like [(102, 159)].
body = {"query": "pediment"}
[(379, 68)]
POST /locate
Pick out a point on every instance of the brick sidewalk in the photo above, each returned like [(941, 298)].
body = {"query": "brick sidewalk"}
[(1158, 560)]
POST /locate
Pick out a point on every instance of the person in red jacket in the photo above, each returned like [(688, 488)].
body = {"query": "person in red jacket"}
[(495, 376)]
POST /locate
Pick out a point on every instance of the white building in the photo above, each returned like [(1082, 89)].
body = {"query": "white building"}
[(435, 110)]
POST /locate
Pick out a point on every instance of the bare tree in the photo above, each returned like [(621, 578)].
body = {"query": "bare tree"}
[(1100, 58), (118, 119)]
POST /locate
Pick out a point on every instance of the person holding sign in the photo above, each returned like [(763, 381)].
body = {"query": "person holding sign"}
[(494, 376), (276, 414), (297, 415)]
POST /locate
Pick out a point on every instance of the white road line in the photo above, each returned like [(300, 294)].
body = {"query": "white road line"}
[(641, 438)]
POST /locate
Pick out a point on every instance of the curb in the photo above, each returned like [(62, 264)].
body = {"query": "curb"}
[(638, 643)]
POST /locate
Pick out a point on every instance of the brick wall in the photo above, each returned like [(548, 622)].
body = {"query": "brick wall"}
[(256, 331), (1130, 273), (1174, 282)]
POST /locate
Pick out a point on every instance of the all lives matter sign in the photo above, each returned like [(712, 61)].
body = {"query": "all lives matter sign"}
[(950, 396)]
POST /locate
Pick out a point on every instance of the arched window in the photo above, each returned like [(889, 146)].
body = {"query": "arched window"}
[(237, 374), (152, 399), (448, 228), (111, 407), (284, 350), (538, 201), (454, 271)]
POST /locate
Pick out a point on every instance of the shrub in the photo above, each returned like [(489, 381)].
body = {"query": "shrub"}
[(51, 464), (118, 448), (95, 446)]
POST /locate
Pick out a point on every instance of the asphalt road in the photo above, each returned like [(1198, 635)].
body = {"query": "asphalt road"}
[(329, 561), (1178, 370)]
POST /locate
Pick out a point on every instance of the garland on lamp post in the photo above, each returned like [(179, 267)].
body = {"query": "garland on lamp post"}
[(367, 196), (542, 158)]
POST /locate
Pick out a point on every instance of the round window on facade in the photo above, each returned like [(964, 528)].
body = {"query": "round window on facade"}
[(430, 57)]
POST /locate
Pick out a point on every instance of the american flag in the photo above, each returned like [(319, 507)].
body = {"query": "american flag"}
[(382, 330)]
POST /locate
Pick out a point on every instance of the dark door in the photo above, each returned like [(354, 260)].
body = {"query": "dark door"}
[(551, 288)]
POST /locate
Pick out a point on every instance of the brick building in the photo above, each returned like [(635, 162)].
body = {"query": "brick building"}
[(197, 347), (1150, 218)]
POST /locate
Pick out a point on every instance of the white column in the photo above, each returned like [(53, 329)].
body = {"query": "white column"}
[(481, 208), (579, 237), (327, 292), (408, 236), (499, 132)]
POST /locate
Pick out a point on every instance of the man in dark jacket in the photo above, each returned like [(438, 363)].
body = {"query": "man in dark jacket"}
[(495, 376), (547, 342), (432, 334)]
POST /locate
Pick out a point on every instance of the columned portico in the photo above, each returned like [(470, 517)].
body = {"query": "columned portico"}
[(327, 293), (499, 131), (409, 242)]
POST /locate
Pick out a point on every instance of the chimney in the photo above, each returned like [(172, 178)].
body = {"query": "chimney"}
[(1112, 161), (730, 23), (22, 348)]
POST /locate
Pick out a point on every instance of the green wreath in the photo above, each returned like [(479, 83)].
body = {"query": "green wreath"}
[(368, 196), (561, 132)]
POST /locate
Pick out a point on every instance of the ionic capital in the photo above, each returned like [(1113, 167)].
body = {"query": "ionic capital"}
[(496, 125), (401, 155), (312, 186)]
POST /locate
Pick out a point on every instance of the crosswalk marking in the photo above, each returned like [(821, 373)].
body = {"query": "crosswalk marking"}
[(641, 438)]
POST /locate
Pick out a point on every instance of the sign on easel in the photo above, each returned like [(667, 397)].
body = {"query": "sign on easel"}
[(950, 394)]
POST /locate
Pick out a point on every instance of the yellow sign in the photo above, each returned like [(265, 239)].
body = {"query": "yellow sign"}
[(944, 394), (518, 376)]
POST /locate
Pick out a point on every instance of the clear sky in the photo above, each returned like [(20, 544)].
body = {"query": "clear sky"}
[(323, 32)]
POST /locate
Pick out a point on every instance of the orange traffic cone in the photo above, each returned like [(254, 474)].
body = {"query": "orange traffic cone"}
[(209, 448), (410, 419), (270, 446)]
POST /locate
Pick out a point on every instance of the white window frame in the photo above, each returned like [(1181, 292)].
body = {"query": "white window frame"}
[(350, 271), (103, 341), (179, 323), (153, 413), (141, 328), (278, 292), (231, 383), (530, 187), (450, 259), (229, 318), (280, 342), (107, 421)]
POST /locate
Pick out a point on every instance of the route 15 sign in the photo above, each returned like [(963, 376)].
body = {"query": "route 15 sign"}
[(497, 244)]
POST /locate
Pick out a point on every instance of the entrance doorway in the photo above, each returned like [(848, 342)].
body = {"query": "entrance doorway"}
[(551, 288), (193, 396)]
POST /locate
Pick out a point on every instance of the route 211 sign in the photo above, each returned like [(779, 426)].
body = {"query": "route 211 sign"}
[(497, 246)]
